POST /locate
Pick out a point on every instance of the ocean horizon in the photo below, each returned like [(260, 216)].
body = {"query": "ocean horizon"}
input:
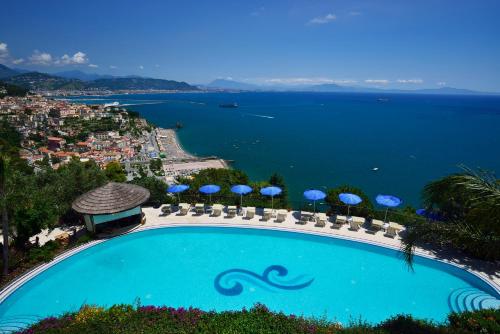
[(323, 140)]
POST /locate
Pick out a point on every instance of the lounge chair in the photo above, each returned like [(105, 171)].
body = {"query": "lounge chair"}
[(166, 209), (375, 226), (390, 232), (250, 212), (267, 214), (231, 211), (339, 219), (304, 219), (217, 210), (354, 226), (199, 208), (281, 216), (358, 220), (184, 208), (321, 220)]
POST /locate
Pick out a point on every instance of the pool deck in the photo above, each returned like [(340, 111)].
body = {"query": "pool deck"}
[(154, 219)]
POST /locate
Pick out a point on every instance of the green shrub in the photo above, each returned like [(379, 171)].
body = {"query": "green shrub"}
[(484, 321), (43, 254)]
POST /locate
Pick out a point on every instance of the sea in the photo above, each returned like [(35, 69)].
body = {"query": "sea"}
[(382, 143)]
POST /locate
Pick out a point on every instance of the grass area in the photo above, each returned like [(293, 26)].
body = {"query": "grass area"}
[(151, 319)]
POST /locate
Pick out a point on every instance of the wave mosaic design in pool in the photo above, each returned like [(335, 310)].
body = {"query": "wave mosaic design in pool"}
[(236, 275)]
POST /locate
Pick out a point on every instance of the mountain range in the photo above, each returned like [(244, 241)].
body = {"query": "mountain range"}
[(77, 80), (225, 84)]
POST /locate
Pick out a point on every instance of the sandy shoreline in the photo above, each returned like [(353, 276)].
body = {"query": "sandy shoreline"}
[(179, 162)]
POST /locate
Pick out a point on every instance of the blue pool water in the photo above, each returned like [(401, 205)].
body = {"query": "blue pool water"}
[(231, 268)]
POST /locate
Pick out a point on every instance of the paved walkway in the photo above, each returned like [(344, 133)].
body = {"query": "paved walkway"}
[(154, 218)]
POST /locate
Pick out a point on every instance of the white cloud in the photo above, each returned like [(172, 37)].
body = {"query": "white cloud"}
[(410, 81), (323, 19), (141, 67), (354, 13), (113, 67), (441, 83), (41, 58), (377, 81), (93, 65), (18, 61), (4, 51), (77, 59)]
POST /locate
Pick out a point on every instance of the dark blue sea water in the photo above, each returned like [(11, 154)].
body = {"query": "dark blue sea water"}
[(318, 140)]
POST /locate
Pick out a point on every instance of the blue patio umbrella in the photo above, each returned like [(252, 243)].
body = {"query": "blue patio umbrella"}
[(349, 199), (428, 214), (271, 191), (177, 189), (209, 189), (314, 195), (241, 189), (388, 201)]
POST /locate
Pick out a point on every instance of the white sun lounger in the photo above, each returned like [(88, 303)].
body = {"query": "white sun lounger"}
[(166, 209), (339, 219), (217, 210), (281, 216), (267, 214), (231, 211), (321, 219), (199, 208), (184, 208), (250, 212)]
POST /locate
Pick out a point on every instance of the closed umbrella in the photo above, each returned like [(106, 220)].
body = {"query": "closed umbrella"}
[(314, 195), (209, 189), (271, 191), (349, 199), (241, 189), (388, 201), (177, 189)]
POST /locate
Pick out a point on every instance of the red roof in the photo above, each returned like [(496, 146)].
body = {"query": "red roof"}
[(55, 139)]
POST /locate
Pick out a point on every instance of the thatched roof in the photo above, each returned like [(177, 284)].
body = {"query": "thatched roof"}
[(111, 198)]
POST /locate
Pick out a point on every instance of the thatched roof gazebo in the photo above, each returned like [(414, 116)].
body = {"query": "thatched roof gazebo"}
[(110, 202)]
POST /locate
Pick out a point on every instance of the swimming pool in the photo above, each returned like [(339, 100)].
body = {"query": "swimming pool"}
[(226, 268)]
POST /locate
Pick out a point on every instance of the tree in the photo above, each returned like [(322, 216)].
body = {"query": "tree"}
[(278, 180), (155, 164), (5, 217), (363, 209), (115, 172), (469, 206), (157, 188)]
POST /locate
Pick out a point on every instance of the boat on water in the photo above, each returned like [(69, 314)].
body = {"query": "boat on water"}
[(228, 105), (112, 104)]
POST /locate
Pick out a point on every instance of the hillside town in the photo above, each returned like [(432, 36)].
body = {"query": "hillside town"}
[(55, 131)]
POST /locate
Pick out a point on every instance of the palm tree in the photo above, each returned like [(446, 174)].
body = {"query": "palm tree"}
[(469, 203)]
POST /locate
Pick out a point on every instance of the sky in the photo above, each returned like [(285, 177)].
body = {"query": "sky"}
[(389, 44)]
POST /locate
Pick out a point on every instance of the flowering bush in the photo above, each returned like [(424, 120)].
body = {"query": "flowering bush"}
[(259, 319)]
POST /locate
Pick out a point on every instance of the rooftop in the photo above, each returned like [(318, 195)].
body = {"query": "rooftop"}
[(111, 198)]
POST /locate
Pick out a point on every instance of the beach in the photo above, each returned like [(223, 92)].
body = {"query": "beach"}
[(178, 162)]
